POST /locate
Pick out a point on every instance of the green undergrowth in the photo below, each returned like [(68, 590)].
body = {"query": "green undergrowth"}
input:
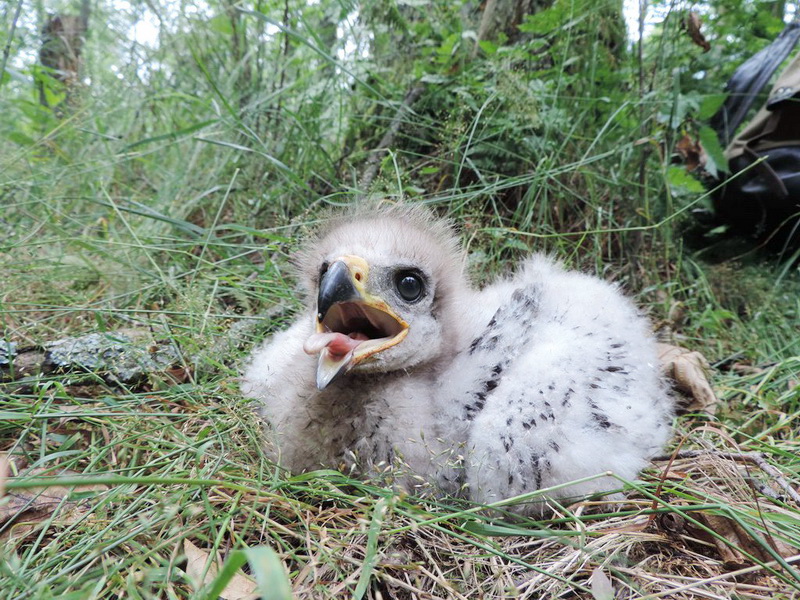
[(168, 462), (174, 204)]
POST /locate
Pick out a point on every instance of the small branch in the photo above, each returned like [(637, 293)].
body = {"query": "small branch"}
[(129, 356), (121, 356), (753, 458), (239, 334), (7, 49), (373, 163)]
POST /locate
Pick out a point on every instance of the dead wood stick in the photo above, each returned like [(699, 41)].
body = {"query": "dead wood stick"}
[(126, 355), (241, 333), (122, 356), (373, 163), (753, 458)]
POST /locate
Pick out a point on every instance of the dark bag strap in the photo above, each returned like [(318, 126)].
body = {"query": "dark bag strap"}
[(748, 81), (772, 180)]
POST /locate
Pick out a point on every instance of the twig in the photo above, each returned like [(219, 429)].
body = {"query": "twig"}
[(7, 49), (126, 355), (120, 356), (374, 161), (237, 335), (754, 458)]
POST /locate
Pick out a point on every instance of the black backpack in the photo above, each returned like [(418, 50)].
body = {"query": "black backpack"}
[(761, 194)]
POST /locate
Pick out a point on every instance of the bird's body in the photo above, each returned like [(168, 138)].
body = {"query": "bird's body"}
[(539, 379)]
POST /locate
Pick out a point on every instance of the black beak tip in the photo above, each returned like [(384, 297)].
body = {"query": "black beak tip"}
[(335, 286)]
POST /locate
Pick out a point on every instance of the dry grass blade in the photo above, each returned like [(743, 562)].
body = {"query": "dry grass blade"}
[(753, 458), (696, 588)]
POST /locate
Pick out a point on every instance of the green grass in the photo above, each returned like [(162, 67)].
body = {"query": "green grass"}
[(184, 461), (177, 211)]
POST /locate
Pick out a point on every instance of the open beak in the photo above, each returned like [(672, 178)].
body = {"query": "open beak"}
[(351, 324)]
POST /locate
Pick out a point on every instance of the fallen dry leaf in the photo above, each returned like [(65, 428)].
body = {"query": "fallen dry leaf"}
[(196, 560), (689, 151), (602, 589), (692, 24), (39, 503), (687, 370), (27, 509), (739, 540), (238, 588)]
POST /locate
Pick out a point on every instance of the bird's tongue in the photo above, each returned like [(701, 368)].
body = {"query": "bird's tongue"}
[(337, 344), (335, 353)]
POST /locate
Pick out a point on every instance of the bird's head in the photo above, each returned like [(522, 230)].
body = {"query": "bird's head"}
[(382, 285)]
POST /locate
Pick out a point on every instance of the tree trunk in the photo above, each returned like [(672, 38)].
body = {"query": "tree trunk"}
[(504, 16), (62, 44)]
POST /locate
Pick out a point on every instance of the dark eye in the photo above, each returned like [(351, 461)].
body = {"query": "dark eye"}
[(409, 286), (323, 269)]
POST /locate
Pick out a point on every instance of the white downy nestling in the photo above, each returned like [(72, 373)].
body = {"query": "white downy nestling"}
[(401, 366)]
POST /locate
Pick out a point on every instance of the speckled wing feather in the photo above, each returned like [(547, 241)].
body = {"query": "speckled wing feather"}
[(561, 384)]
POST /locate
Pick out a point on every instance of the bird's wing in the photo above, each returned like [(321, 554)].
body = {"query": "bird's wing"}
[(280, 368), (560, 384), (280, 375)]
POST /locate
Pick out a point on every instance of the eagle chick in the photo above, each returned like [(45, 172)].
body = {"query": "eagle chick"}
[(400, 366)]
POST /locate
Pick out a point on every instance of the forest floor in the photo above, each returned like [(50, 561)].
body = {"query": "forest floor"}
[(129, 490), (161, 189)]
